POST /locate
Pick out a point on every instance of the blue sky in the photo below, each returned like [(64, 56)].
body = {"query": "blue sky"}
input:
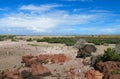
[(59, 17)]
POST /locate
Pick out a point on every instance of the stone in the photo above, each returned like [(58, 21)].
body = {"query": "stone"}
[(38, 69), (93, 74), (108, 66), (12, 74), (29, 60), (86, 51)]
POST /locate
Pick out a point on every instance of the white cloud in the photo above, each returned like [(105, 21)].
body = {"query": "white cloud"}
[(45, 22), (33, 23), (45, 7), (59, 20)]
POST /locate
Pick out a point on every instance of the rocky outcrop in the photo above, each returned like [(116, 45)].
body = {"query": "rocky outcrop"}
[(93, 74), (29, 59), (86, 51), (35, 64), (38, 69), (108, 67), (56, 58), (10, 74)]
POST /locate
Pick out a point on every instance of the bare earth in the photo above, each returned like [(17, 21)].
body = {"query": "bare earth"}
[(11, 53)]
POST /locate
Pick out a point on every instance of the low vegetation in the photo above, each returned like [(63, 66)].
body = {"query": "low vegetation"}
[(29, 39), (68, 41), (102, 41), (6, 37), (109, 55), (33, 44), (115, 72)]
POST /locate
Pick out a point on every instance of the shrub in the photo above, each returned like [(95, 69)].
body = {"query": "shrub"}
[(101, 41), (29, 39), (14, 39), (115, 72), (109, 55), (63, 40)]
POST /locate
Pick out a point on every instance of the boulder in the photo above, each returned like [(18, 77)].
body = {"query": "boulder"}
[(89, 48), (86, 51)]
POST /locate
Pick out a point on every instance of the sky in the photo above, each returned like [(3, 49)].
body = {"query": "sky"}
[(59, 17)]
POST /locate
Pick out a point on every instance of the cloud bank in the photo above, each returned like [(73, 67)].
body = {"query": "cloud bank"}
[(49, 19)]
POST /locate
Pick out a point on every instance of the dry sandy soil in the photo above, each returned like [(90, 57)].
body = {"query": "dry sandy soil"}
[(11, 53)]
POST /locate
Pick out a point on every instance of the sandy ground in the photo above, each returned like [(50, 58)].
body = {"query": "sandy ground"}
[(11, 53)]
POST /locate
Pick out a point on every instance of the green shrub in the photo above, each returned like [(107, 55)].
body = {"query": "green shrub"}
[(115, 72), (101, 41), (6, 37), (109, 55), (33, 44), (14, 39), (29, 39), (63, 40)]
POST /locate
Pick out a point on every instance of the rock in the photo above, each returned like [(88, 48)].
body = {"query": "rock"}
[(117, 48), (111, 76), (80, 43), (56, 58), (25, 74), (29, 60), (13, 74), (93, 59), (60, 58), (86, 51), (114, 76), (35, 77), (108, 66), (38, 69), (93, 74)]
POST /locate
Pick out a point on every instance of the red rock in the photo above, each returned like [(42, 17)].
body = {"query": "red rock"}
[(29, 60), (85, 62), (111, 76), (108, 66), (56, 58), (59, 58), (38, 69), (14, 74), (114, 76), (93, 74)]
